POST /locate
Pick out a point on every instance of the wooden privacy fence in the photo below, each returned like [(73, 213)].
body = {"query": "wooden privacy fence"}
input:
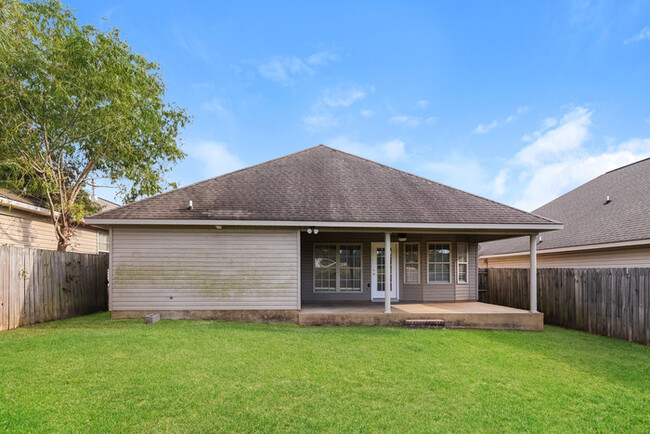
[(44, 285), (612, 302)]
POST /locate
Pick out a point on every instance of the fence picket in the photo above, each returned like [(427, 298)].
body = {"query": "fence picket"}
[(612, 302), (32, 285)]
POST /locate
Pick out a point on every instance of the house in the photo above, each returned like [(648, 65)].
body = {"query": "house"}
[(26, 222), (606, 224), (316, 226)]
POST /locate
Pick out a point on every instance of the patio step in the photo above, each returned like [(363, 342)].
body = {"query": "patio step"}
[(425, 323)]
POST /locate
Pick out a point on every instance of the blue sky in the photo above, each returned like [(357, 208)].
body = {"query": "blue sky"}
[(516, 101)]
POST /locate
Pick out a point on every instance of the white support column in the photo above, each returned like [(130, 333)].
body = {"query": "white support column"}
[(387, 277), (533, 272)]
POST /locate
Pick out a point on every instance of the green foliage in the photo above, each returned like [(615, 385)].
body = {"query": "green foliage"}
[(76, 101), (94, 374)]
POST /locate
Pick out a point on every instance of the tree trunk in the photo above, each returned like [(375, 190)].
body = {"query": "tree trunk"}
[(62, 244), (63, 235)]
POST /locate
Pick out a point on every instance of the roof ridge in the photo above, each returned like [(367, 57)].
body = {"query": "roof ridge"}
[(109, 201), (440, 184), (627, 165), (211, 179), (588, 182)]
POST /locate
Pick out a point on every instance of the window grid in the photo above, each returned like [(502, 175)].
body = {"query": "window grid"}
[(102, 242), (337, 268), (412, 263), (462, 261), (439, 261)]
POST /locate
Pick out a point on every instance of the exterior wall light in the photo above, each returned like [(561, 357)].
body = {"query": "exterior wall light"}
[(401, 237), (312, 231)]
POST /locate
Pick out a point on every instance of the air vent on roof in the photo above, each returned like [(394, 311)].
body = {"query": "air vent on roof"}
[(607, 200), (190, 207)]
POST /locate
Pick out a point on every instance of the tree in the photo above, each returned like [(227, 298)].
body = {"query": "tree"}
[(76, 101)]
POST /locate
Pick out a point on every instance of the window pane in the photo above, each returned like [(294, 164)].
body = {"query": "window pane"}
[(350, 267), (462, 273), (439, 262), (412, 263), (462, 252), (325, 268), (102, 242)]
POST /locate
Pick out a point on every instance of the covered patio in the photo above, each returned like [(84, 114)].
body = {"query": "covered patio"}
[(470, 314)]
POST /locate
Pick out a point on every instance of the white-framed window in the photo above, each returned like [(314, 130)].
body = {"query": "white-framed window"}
[(102, 242), (439, 261), (337, 268), (462, 256), (412, 263)]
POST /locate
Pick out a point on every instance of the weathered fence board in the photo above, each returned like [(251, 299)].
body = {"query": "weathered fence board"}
[(612, 302), (43, 285)]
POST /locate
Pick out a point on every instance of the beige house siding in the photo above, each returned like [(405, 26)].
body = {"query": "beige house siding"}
[(202, 268), (420, 292), (638, 256), (24, 229)]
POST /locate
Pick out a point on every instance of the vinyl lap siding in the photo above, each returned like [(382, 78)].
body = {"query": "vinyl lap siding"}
[(622, 257), (417, 292), (204, 269), (22, 229)]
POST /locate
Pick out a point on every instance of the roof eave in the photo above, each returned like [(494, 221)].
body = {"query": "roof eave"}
[(617, 244), (524, 227)]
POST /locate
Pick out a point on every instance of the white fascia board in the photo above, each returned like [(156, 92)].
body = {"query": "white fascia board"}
[(30, 208), (321, 224), (26, 207), (573, 248)]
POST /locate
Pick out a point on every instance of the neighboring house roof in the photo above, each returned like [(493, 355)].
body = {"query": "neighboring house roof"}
[(588, 219), (321, 184), (38, 206), (105, 205), (11, 196)]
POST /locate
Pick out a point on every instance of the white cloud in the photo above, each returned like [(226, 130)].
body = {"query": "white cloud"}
[(644, 34), (558, 160), (482, 129), (570, 134), (215, 106), (458, 169), (554, 179), (342, 97), (322, 58), (394, 149), (320, 119), (485, 128), (498, 184), (388, 151), (367, 113), (412, 121), (191, 44), (283, 69), (322, 113), (422, 104), (406, 120), (215, 158)]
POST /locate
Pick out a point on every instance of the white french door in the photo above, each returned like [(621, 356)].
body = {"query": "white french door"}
[(377, 271)]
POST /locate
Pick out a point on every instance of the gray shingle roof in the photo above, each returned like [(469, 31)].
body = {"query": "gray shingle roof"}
[(587, 219), (104, 204), (326, 185)]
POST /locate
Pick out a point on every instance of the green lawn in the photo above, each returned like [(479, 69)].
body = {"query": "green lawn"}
[(95, 374)]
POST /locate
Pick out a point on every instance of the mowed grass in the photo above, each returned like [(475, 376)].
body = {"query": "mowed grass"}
[(96, 374)]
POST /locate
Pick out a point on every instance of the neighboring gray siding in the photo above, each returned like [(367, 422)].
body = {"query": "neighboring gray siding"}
[(423, 291), (202, 268)]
